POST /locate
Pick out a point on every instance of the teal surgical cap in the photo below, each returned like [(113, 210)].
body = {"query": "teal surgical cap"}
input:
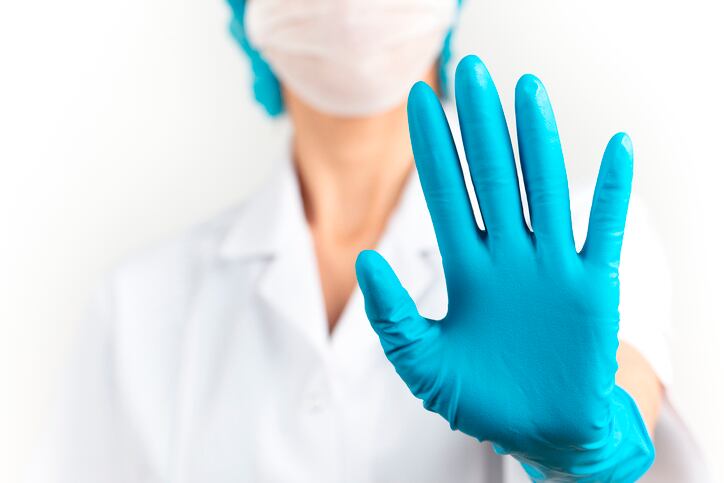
[(265, 84)]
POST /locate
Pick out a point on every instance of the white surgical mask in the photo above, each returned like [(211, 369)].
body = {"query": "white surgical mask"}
[(350, 57)]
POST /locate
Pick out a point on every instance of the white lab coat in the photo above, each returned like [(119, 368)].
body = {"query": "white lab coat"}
[(207, 359)]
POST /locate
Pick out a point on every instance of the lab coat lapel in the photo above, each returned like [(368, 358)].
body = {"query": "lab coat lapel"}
[(290, 288), (273, 231), (205, 350), (267, 248), (410, 247), (410, 244)]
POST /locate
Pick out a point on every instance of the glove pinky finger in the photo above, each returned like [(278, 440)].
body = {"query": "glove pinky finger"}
[(610, 203)]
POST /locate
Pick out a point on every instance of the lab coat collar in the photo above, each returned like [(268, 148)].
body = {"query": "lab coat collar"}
[(272, 227), (274, 217), (262, 224)]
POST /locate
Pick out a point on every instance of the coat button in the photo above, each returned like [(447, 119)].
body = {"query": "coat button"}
[(315, 403)]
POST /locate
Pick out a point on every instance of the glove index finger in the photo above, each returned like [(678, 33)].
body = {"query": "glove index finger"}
[(441, 174)]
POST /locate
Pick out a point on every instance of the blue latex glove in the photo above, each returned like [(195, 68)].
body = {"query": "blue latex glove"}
[(526, 355)]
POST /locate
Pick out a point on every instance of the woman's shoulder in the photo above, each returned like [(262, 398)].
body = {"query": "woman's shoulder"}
[(182, 250), (164, 273)]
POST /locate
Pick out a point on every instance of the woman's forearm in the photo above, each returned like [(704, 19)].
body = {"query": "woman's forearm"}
[(638, 378)]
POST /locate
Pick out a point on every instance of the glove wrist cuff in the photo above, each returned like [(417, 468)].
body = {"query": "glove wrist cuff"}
[(625, 455)]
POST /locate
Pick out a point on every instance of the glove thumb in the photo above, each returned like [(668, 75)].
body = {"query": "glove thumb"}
[(389, 307)]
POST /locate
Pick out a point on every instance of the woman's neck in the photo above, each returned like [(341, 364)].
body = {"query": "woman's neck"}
[(351, 170), (352, 173)]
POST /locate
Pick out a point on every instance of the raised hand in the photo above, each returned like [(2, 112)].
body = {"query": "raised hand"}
[(526, 355)]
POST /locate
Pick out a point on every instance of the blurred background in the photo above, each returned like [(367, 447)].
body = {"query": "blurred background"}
[(123, 122)]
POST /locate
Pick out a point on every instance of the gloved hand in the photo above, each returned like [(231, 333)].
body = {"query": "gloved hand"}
[(526, 355)]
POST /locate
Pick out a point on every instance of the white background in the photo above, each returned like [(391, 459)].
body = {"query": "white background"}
[(122, 122)]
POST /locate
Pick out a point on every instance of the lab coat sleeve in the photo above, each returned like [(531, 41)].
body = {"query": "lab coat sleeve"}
[(645, 305), (646, 294), (89, 438), (646, 310)]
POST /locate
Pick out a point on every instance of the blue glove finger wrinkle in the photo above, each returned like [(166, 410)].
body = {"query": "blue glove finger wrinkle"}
[(495, 178), (526, 355), (605, 232), (544, 171), (441, 176), (404, 334)]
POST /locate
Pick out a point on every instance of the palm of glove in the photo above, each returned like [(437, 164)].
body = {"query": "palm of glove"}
[(526, 355), (538, 344)]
